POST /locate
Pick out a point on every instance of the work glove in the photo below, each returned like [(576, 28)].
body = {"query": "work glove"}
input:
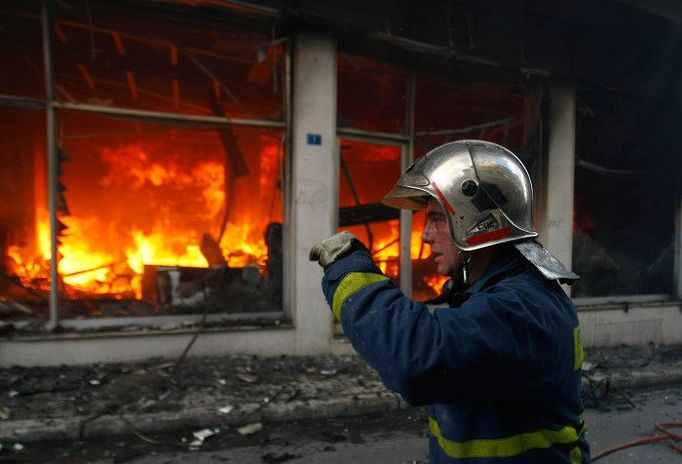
[(330, 250)]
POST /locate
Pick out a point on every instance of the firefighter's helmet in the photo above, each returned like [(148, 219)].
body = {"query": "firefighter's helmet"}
[(483, 188), (486, 194)]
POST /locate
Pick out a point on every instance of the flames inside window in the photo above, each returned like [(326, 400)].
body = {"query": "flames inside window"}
[(158, 216), (152, 218), (375, 97)]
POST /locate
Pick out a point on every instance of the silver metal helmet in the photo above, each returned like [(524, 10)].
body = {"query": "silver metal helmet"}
[(483, 188), (486, 194)]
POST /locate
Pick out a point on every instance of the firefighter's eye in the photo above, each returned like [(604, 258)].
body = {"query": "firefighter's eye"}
[(437, 218)]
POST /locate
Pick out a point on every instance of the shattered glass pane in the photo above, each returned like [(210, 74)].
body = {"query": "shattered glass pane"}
[(184, 59), (371, 94), (625, 200), (24, 220), (21, 49), (361, 191), (153, 219), (448, 110)]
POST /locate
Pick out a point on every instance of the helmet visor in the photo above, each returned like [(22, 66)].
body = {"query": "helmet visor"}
[(406, 198)]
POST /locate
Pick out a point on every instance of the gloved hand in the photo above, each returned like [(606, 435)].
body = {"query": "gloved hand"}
[(331, 249)]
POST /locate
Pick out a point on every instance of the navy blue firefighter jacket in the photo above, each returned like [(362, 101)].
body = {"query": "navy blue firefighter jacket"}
[(500, 372)]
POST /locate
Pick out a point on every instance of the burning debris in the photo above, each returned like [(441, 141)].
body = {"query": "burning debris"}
[(158, 217), (135, 237), (135, 229)]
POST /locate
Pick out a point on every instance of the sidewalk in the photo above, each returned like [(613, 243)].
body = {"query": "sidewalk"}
[(244, 392)]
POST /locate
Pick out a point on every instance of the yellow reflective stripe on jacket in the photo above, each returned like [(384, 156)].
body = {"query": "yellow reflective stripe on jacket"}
[(578, 351), (353, 282), (503, 447), (576, 455)]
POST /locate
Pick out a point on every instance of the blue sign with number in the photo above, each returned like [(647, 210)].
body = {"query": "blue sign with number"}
[(314, 139)]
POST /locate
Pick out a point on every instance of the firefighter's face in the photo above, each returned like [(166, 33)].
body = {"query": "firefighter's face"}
[(437, 235)]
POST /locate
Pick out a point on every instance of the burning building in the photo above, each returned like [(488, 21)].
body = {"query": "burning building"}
[(163, 162)]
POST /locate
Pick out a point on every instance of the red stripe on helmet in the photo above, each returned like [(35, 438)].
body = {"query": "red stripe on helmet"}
[(444, 200), (489, 236)]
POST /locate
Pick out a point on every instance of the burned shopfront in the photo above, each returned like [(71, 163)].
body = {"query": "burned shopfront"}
[(162, 205), (165, 165)]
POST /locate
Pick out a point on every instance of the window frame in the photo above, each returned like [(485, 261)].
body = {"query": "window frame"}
[(52, 102)]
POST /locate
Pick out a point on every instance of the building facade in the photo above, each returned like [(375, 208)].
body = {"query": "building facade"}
[(179, 159)]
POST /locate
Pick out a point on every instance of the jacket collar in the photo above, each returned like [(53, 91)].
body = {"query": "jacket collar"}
[(507, 264), (503, 266)]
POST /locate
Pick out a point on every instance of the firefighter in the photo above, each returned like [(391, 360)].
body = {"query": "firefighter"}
[(500, 368)]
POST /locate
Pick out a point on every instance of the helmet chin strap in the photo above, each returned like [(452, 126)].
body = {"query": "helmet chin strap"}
[(466, 259)]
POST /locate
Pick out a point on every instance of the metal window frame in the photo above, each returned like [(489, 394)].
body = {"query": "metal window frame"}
[(407, 157), (677, 258), (619, 300), (406, 144), (592, 303), (379, 138), (52, 158), (51, 104)]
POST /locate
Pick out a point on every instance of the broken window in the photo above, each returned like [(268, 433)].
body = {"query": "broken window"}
[(21, 49), (158, 212), (174, 218), (196, 61), (371, 95), (24, 248), (360, 194), (447, 110), (153, 219), (625, 198), (375, 99)]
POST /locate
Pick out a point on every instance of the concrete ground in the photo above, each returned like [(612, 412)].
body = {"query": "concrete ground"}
[(75, 408), (379, 438), (400, 437)]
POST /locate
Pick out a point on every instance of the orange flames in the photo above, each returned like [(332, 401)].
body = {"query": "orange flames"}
[(150, 204), (386, 253), (436, 281), (95, 257)]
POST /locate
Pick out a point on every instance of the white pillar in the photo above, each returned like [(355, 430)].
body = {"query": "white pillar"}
[(315, 168), (556, 226)]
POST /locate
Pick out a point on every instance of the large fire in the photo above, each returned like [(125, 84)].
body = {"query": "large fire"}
[(97, 258), (149, 206)]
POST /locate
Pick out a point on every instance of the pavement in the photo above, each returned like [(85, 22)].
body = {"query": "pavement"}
[(244, 392)]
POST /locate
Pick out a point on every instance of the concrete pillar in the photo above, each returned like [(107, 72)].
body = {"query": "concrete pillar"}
[(556, 225), (315, 168)]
